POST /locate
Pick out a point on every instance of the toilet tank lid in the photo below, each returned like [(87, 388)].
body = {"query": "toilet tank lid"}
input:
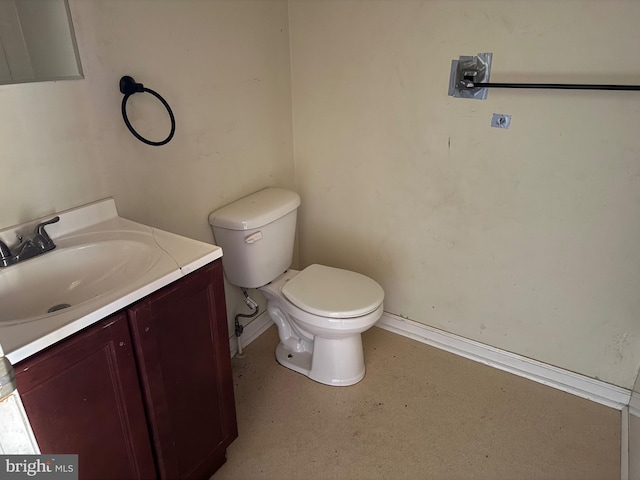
[(256, 210)]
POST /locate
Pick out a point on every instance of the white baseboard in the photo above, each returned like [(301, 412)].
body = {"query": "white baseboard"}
[(251, 331), (574, 383)]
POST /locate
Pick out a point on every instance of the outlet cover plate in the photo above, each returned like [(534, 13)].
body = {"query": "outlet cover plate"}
[(500, 120)]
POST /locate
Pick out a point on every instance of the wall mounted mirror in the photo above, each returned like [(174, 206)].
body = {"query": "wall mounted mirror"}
[(37, 42)]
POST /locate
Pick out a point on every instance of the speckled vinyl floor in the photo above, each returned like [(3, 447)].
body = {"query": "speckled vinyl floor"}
[(419, 413)]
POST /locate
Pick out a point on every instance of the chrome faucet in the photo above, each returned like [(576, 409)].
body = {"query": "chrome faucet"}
[(30, 246)]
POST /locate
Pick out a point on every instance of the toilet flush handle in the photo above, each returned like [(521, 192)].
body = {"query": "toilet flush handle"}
[(253, 238)]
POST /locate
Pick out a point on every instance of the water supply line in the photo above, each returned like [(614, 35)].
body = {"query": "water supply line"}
[(251, 303)]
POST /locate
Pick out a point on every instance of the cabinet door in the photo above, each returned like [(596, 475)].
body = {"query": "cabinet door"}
[(83, 396), (182, 346)]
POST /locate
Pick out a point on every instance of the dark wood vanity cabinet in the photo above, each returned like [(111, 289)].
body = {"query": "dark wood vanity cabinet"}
[(146, 393), (185, 371), (83, 396)]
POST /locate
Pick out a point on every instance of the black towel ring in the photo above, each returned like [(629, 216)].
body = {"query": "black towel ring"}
[(128, 86)]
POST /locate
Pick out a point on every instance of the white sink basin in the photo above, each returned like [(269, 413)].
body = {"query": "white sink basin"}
[(102, 263), (69, 277)]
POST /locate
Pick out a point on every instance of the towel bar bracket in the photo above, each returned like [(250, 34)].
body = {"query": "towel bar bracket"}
[(469, 78)]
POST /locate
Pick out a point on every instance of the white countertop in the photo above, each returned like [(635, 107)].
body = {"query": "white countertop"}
[(176, 257)]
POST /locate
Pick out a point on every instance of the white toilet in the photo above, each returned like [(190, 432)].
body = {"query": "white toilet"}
[(320, 311)]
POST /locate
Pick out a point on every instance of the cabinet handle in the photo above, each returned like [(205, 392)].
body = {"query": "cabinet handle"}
[(109, 324)]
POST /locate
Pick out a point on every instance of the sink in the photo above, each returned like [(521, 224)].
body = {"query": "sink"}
[(80, 270), (102, 264)]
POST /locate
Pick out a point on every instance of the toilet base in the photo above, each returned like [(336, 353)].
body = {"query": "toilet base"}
[(334, 361), (297, 361)]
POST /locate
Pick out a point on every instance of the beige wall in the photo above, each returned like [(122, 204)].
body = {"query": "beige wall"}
[(525, 239), (223, 66)]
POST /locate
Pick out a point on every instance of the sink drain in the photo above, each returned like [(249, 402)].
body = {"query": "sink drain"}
[(60, 306)]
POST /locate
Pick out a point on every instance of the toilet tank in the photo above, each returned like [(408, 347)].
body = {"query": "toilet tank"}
[(256, 234)]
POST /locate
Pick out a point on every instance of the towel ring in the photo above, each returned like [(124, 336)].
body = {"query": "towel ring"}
[(128, 86)]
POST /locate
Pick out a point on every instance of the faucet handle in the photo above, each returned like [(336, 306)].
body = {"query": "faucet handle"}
[(40, 228)]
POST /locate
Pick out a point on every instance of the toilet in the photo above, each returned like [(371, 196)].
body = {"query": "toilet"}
[(320, 312)]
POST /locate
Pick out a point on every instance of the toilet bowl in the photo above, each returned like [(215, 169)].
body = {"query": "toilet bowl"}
[(320, 314), (320, 311)]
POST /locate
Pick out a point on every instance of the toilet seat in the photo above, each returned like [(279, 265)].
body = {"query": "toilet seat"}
[(333, 292)]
